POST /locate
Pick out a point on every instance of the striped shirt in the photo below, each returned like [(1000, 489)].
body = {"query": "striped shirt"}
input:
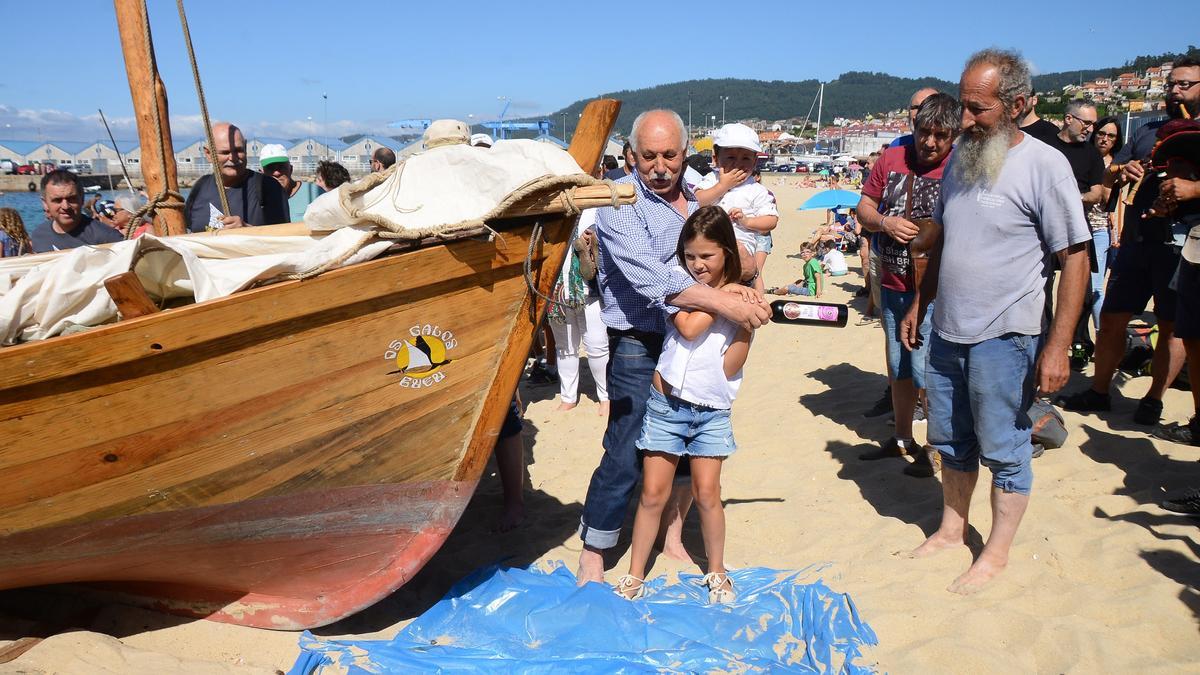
[(637, 259)]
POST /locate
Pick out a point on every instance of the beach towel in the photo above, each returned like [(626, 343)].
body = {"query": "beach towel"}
[(535, 621)]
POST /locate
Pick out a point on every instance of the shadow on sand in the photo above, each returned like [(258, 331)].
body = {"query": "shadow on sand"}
[(1149, 477)]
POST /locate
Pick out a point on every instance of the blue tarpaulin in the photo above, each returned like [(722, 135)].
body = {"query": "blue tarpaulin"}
[(531, 621)]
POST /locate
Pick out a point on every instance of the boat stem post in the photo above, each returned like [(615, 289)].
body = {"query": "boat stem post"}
[(150, 103)]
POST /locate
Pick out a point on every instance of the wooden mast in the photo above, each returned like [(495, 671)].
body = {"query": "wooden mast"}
[(146, 87)]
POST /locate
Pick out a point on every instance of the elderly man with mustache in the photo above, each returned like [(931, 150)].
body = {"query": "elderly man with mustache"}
[(638, 289), (1008, 203), (253, 199)]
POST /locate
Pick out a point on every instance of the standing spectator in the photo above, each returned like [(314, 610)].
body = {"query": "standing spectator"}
[(638, 290), (1150, 246), (576, 318), (14, 240), (914, 104), (904, 188), (1004, 196), (382, 158), (622, 171), (331, 175), (66, 225), (253, 199), (1041, 129), (275, 164)]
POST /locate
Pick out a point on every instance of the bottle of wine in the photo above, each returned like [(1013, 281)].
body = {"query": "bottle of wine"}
[(814, 313)]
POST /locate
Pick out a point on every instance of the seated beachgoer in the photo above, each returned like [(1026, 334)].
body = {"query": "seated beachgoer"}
[(834, 262), (813, 282)]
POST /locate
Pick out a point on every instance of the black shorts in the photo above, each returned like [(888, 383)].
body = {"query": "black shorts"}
[(512, 421), (1142, 271), (1187, 290)]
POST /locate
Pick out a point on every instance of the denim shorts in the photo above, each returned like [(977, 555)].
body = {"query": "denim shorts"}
[(979, 397), (764, 243), (678, 427), (903, 364)]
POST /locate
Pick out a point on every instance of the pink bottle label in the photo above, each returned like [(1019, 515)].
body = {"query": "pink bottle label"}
[(793, 310)]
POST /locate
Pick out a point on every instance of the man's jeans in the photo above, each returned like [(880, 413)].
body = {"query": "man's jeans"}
[(633, 356), (979, 397)]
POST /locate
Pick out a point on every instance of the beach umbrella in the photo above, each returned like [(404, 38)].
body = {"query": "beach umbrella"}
[(830, 199)]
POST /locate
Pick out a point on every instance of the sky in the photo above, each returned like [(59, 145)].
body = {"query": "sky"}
[(266, 64)]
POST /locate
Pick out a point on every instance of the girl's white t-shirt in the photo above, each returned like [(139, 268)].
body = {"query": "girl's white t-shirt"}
[(696, 368)]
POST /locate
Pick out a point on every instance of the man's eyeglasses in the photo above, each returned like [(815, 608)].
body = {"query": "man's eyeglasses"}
[(1086, 124), (1183, 85)]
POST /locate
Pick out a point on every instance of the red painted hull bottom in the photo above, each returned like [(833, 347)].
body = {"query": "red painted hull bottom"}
[(284, 563)]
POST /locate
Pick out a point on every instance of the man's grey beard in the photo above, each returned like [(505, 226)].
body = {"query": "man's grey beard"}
[(979, 160)]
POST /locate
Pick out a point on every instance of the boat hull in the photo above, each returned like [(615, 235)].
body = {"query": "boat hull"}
[(277, 458)]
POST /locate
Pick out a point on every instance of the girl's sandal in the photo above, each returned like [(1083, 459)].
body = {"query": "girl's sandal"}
[(630, 587), (718, 592)]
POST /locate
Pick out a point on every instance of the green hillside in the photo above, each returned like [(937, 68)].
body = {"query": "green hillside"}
[(853, 94)]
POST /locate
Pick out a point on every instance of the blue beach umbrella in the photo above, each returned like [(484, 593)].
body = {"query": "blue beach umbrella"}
[(830, 199)]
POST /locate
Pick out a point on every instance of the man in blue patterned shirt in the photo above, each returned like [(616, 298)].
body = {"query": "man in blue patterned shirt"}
[(638, 289)]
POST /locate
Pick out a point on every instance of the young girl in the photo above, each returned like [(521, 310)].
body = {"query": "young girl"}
[(687, 413)]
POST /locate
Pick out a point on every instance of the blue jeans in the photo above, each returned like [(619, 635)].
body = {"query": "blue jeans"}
[(631, 363), (979, 397), (903, 364), (1100, 239)]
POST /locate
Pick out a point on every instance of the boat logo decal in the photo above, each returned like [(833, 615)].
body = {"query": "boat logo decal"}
[(420, 357)]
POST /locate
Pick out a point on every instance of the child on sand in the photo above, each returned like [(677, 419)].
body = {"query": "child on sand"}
[(813, 282), (749, 204), (694, 385)]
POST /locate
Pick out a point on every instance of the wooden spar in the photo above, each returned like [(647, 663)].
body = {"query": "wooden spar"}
[(146, 87), (587, 148)]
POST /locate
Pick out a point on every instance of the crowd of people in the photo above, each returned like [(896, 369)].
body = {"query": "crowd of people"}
[(963, 226)]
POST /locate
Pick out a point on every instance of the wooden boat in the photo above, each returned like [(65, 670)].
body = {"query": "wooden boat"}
[(278, 458)]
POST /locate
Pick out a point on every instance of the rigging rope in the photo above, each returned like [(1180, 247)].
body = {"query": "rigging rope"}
[(212, 146)]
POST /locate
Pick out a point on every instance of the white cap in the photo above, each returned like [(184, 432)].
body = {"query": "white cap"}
[(482, 139), (272, 153), (446, 132), (735, 135)]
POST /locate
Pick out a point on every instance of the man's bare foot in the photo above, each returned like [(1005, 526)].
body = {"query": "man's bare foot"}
[(566, 406), (604, 408), (977, 576), (934, 545), (511, 518), (591, 566), (673, 549)]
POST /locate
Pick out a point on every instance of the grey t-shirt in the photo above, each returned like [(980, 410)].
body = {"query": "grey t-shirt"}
[(89, 232), (997, 244)]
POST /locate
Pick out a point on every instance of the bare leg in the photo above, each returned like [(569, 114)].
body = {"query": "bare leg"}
[(658, 470), (1110, 347), (1169, 356), (510, 462), (1007, 510), (706, 486), (904, 402), (670, 534), (566, 406), (957, 487)]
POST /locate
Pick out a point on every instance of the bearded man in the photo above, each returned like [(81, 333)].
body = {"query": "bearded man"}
[(1007, 203)]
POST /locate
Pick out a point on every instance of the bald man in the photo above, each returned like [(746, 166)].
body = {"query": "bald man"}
[(253, 200), (914, 104)]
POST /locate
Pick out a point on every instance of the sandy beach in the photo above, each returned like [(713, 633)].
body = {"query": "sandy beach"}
[(1101, 579)]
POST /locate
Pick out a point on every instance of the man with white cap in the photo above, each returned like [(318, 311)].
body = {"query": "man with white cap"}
[(482, 141), (274, 161), (749, 204), (252, 199)]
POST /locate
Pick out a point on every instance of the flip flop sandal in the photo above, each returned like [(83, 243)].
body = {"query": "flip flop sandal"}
[(717, 594), (630, 587)]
